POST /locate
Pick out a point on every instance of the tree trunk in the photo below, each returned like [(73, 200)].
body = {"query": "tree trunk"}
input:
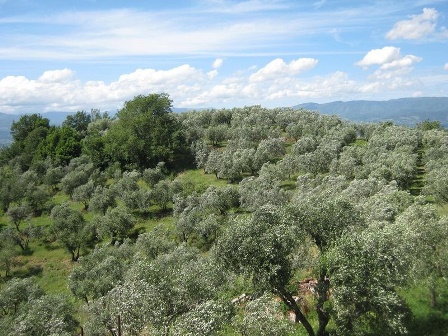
[(323, 287), (292, 304), (433, 294), (17, 225), (75, 254)]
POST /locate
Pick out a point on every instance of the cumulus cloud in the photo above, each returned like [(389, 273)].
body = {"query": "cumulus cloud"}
[(212, 74), (446, 66), (391, 62), (279, 67), (217, 63), (58, 90), (406, 61), (272, 85), (417, 27), (380, 56), (56, 76)]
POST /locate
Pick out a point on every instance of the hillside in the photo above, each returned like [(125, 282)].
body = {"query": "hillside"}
[(405, 111), (283, 214)]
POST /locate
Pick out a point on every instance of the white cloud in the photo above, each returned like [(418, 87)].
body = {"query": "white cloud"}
[(212, 74), (60, 90), (278, 68), (406, 61), (57, 90), (381, 74), (145, 77), (446, 66), (417, 27), (217, 63), (56, 76), (380, 56), (393, 73), (392, 63)]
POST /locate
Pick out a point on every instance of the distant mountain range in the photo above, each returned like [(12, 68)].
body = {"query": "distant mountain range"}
[(405, 111)]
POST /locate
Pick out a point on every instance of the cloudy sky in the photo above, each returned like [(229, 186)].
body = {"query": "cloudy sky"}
[(77, 55)]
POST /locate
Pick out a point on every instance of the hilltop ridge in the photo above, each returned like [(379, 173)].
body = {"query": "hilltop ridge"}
[(405, 111)]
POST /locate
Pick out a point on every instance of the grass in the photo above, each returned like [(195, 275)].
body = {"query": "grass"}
[(49, 263), (359, 142), (56, 266), (198, 180), (143, 226), (426, 320)]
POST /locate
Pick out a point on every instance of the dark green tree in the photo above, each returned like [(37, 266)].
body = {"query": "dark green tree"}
[(147, 133), (21, 129), (28, 132), (78, 121), (61, 145)]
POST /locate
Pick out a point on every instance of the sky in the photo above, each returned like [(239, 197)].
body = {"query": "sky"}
[(96, 54)]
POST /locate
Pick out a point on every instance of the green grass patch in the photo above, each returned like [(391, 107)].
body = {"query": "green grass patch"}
[(197, 180), (49, 263), (427, 320), (148, 225), (43, 221), (359, 142), (60, 198)]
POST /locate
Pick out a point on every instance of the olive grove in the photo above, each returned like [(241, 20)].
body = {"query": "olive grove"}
[(243, 221)]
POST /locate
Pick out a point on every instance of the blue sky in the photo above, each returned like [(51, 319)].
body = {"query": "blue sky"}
[(77, 55)]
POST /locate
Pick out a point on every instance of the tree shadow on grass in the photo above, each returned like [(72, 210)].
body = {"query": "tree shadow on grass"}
[(433, 324), (435, 321), (26, 272), (135, 232)]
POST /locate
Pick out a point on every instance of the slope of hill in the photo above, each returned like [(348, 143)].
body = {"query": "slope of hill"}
[(408, 111)]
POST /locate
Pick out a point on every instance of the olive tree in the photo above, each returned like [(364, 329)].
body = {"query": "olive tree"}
[(260, 248), (115, 224), (261, 318), (70, 228), (102, 199), (83, 193), (100, 271), (159, 295), (19, 213), (26, 310)]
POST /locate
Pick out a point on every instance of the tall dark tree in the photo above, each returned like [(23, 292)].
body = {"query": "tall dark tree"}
[(146, 133), (26, 124), (78, 121), (61, 145), (28, 132)]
